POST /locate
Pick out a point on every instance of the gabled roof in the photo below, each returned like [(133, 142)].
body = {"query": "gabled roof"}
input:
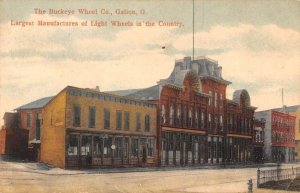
[(123, 92), (36, 104), (151, 93)]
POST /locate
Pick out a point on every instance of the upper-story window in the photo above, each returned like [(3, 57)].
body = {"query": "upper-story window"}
[(221, 100), (138, 121), (190, 118), (221, 122), (92, 117), (216, 120), (210, 97), (127, 120), (202, 119), (171, 115), (216, 99), (106, 118), (196, 119), (28, 120), (209, 120), (147, 123), (163, 114), (119, 120), (77, 112), (184, 116), (179, 116)]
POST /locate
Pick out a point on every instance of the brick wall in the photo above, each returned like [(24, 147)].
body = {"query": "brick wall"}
[(2, 141), (23, 121)]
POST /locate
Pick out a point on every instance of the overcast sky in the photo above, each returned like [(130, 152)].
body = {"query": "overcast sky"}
[(256, 42)]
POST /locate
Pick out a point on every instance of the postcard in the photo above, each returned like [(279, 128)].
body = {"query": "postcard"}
[(149, 95)]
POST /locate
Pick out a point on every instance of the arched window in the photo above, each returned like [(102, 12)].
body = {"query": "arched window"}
[(196, 119), (185, 117), (171, 115), (190, 118), (202, 120), (163, 114), (178, 117)]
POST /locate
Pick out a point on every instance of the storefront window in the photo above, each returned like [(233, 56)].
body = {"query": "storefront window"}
[(98, 142), (73, 145), (134, 148), (151, 147), (85, 145), (107, 147), (118, 150)]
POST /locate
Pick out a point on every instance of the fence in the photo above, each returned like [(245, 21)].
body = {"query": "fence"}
[(264, 176)]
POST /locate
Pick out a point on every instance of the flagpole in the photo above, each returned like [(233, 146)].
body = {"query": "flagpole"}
[(193, 29)]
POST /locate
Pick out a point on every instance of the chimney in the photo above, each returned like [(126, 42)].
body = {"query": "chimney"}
[(219, 71), (187, 62)]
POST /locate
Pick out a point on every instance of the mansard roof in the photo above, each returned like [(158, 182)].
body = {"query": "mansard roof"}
[(204, 67), (179, 78), (36, 104)]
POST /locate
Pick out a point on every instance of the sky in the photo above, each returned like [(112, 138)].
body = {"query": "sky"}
[(256, 42)]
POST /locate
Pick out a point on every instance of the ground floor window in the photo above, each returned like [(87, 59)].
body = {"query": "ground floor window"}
[(125, 147), (107, 147), (98, 146), (134, 147), (85, 145), (118, 147), (73, 145), (151, 147)]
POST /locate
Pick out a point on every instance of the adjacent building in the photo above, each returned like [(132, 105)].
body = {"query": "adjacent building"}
[(86, 127), (30, 119), (13, 139), (258, 140), (198, 124), (279, 135)]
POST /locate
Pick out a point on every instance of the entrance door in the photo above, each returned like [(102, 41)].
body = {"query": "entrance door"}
[(85, 151), (144, 153)]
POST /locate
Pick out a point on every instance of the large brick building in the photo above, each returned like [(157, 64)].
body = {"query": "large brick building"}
[(279, 135), (198, 124)]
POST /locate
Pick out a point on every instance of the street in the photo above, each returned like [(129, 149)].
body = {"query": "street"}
[(18, 176)]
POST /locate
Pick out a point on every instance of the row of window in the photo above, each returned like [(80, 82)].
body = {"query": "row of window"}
[(106, 148), (106, 97), (121, 123), (217, 98), (280, 137), (189, 119), (239, 123)]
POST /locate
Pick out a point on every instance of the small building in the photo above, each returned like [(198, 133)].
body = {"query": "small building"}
[(86, 127), (30, 118), (13, 139), (279, 138)]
